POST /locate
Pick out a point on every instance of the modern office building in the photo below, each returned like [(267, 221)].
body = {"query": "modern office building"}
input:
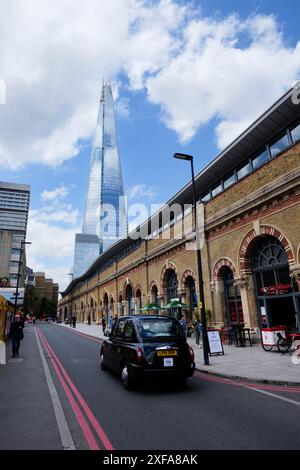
[(14, 206), (105, 217), (248, 198)]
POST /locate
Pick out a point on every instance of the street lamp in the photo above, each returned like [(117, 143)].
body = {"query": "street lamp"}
[(23, 242), (201, 303)]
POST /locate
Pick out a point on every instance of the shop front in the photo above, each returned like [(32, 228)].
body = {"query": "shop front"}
[(278, 297)]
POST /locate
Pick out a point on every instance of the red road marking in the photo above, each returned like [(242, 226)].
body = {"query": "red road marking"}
[(79, 416), (97, 427), (278, 388)]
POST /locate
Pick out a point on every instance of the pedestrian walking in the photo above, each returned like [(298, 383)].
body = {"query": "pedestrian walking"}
[(103, 322), (183, 325), (89, 319), (74, 321), (16, 334), (33, 320)]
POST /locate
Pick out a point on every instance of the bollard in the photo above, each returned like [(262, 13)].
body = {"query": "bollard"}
[(2, 352)]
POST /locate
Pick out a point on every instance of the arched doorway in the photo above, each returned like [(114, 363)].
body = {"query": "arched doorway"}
[(138, 296), (93, 310), (191, 296), (233, 301), (154, 295), (170, 286), (129, 299), (121, 306), (277, 296), (105, 307)]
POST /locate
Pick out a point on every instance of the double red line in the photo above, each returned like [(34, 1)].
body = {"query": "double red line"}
[(76, 401)]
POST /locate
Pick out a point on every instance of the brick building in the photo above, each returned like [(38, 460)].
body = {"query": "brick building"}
[(249, 212)]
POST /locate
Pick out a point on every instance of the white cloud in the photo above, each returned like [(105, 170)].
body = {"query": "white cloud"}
[(55, 194), (215, 76), (141, 191), (194, 68)]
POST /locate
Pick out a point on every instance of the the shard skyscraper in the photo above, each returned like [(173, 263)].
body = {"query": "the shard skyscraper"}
[(105, 217)]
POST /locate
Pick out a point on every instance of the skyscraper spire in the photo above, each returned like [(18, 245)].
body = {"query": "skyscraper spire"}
[(105, 214)]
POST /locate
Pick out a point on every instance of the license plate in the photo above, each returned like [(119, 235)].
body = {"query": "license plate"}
[(168, 362), (169, 352)]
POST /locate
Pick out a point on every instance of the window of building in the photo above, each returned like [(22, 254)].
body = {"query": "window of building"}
[(206, 197), (296, 134), (260, 159), (229, 181), (216, 190), (280, 145), (243, 171)]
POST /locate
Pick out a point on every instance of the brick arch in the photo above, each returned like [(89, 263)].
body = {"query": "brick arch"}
[(138, 287), (187, 273), (219, 265), (152, 284), (247, 243), (167, 266), (129, 282)]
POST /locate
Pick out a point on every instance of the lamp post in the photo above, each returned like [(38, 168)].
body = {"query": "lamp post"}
[(23, 242), (201, 303), (72, 275)]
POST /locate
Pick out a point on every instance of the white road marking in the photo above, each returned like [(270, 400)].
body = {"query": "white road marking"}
[(279, 397), (64, 431)]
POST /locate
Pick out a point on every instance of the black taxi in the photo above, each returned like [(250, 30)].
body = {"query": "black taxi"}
[(147, 346)]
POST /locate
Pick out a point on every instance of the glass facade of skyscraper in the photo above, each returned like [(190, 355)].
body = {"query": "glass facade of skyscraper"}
[(105, 209)]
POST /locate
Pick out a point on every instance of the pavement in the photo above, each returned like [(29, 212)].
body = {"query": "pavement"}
[(248, 363)]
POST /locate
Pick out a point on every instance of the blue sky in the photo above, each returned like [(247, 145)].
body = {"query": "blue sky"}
[(187, 76)]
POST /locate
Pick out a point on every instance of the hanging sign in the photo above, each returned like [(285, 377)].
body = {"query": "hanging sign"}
[(214, 341)]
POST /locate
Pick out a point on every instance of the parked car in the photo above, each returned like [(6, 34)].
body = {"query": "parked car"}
[(67, 321), (142, 346), (58, 320)]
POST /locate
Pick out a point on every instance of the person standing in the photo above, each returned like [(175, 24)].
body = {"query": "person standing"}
[(103, 322), (89, 319), (197, 329), (183, 325), (16, 334), (74, 321)]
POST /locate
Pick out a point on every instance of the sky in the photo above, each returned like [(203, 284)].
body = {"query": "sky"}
[(187, 76)]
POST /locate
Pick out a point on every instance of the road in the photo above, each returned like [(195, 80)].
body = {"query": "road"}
[(95, 412)]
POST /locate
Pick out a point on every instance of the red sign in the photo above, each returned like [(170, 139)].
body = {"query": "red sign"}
[(276, 290)]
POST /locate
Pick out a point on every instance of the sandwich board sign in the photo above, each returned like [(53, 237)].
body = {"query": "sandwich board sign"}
[(215, 343)]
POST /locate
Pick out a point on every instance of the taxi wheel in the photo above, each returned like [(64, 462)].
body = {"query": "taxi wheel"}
[(102, 365), (127, 380)]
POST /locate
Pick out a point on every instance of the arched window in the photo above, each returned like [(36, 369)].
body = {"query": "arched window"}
[(270, 263)]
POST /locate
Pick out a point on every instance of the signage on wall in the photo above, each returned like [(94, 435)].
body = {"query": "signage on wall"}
[(215, 343), (276, 290)]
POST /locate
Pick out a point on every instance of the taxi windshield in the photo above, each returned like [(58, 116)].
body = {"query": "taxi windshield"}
[(160, 328)]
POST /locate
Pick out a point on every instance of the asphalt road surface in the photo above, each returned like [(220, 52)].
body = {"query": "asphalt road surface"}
[(83, 407)]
